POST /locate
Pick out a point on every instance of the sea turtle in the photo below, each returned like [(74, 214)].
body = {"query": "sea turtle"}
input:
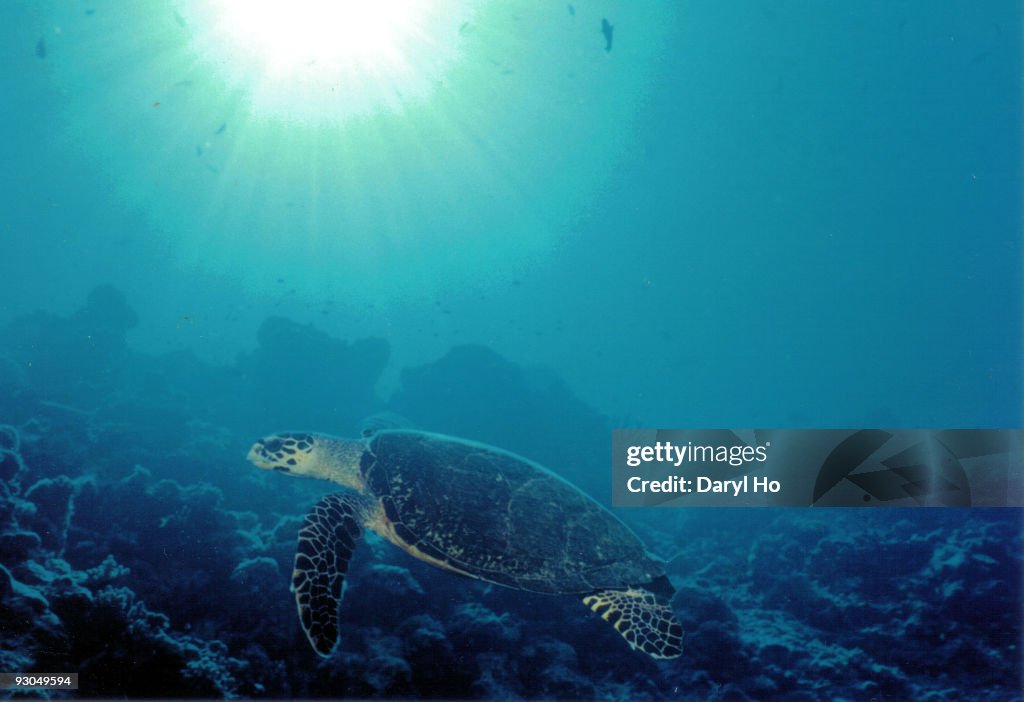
[(470, 509)]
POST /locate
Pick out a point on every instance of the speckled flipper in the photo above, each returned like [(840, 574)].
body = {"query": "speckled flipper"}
[(326, 542), (646, 623)]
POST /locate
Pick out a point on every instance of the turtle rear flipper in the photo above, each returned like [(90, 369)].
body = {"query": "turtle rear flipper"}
[(645, 622), (326, 542)]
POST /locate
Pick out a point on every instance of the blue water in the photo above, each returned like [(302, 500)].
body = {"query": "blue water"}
[(796, 215)]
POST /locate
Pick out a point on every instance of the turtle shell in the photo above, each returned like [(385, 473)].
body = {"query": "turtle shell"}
[(499, 517)]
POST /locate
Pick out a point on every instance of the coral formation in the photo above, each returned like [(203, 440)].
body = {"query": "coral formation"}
[(138, 549)]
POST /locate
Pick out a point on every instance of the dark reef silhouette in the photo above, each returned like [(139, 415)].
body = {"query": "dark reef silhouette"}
[(139, 549)]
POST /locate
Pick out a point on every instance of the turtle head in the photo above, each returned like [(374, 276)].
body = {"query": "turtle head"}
[(310, 455)]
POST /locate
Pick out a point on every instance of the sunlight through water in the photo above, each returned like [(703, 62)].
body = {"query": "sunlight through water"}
[(378, 157), (329, 60)]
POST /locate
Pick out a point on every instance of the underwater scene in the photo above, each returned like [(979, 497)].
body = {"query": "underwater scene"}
[(316, 320)]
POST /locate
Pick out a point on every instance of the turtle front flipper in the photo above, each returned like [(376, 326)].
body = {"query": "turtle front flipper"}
[(645, 621), (326, 542)]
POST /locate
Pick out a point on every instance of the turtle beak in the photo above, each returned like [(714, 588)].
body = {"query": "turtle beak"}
[(258, 457)]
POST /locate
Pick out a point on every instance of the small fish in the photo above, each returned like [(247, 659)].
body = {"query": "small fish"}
[(41, 48), (572, 10), (221, 128), (606, 30)]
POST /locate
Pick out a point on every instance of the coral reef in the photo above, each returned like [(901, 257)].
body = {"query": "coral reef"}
[(138, 549), (300, 377)]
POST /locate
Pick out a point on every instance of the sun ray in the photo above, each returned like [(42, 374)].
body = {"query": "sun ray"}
[(329, 60)]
